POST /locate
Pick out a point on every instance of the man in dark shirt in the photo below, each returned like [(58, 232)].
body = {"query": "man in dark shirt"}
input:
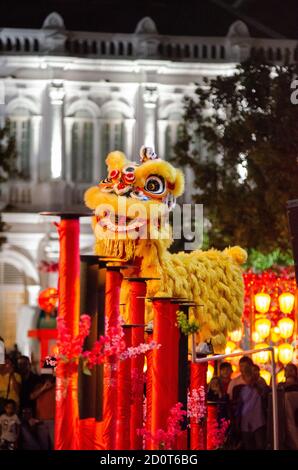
[(29, 382)]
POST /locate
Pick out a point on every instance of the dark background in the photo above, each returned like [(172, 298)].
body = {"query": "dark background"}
[(265, 18)]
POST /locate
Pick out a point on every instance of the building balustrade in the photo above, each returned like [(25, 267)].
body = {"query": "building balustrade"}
[(153, 46)]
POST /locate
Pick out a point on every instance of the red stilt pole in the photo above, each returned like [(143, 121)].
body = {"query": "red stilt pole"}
[(165, 364), (137, 317), (66, 419), (198, 431), (113, 285), (149, 357), (124, 397)]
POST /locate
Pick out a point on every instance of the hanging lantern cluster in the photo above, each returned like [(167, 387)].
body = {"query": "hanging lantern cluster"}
[(262, 327), (270, 296)]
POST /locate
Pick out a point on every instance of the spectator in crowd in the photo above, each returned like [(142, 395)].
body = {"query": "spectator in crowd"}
[(9, 426), (225, 374), (257, 378), (239, 380), (291, 374), (249, 399), (44, 394), (29, 382), (214, 390), (10, 383), (14, 355), (34, 434), (291, 378), (217, 395)]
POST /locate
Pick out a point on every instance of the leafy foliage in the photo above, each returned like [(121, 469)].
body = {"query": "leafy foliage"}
[(246, 170), (8, 168), (8, 154), (260, 262), (187, 326)]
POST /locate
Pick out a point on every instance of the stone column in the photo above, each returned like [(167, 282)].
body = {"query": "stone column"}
[(150, 96), (35, 148), (68, 150), (97, 152), (129, 138), (56, 94), (161, 144)]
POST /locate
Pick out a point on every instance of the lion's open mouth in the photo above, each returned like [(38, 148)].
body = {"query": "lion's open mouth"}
[(121, 223)]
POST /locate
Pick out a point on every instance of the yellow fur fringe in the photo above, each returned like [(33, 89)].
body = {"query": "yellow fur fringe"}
[(211, 278)]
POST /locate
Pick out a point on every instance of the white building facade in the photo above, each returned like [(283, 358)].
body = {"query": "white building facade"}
[(71, 97)]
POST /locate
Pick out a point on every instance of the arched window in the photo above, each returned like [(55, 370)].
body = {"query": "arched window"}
[(20, 129), (18, 275), (12, 297), (112, 137), (174, 131), (82, 135)]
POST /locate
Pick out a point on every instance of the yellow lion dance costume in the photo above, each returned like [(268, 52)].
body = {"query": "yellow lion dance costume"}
[(130, 222)]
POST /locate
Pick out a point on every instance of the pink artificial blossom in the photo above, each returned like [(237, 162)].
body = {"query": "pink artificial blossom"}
[(142, 348), (70, 348), (217, 433), (196, 404), (167, 439)]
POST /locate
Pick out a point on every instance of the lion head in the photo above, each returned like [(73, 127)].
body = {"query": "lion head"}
[(131, 205)]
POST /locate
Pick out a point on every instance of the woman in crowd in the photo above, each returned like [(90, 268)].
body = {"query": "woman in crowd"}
[(10, 384)]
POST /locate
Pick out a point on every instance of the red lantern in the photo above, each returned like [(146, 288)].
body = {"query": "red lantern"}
[(48, 299)]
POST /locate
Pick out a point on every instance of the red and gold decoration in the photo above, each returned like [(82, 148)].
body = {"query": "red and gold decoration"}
[(48, 299)]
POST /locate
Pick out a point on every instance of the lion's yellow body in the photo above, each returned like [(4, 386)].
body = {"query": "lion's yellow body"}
[(211, 278)]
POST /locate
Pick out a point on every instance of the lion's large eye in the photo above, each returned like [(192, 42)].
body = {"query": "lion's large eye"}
[(155, 184), (128, 169)]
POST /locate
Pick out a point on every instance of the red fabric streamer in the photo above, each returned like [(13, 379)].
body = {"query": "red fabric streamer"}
[(90, 434), (149, 356), (182, 441), (198, 431), (66, 418), (164, 364), (137, 317), (211, 418), (124, 398), (113, 285)]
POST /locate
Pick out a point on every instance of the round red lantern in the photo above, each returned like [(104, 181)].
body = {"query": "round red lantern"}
[(48, 299)]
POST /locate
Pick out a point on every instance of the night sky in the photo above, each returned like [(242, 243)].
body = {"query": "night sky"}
[(265, 18)]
